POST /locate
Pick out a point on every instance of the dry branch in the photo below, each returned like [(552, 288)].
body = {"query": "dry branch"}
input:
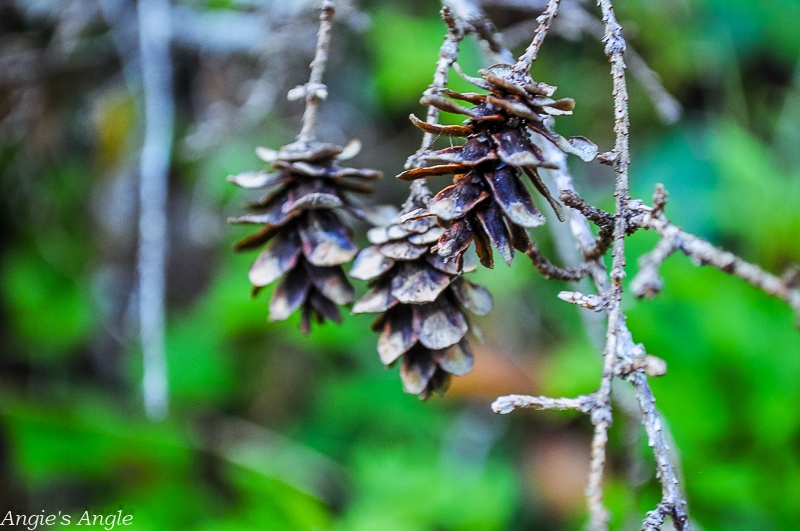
[(507, 404), (545, 20), (315, 91), (648, 281), (156, 75)]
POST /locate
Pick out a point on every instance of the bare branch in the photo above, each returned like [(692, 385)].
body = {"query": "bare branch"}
[(545, 20), (550, 270), (602, 418), (471, 13), (672, 497), (590, 302), (599, 217), (315, 91), (154, 41), (507, 404), (648, 281)]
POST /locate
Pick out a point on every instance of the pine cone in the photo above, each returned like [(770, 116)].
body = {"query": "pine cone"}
[(301, 214), (422, 299), (488, 201)]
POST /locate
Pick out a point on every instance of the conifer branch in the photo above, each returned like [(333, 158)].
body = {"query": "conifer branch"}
[(648, 281), (315, 91), (545, 20)]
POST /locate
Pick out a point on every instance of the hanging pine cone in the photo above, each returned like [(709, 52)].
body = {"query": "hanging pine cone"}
[(301, 215), (488, 202), (422, 300)]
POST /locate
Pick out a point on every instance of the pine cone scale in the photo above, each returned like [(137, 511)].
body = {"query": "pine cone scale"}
[(455, 239), (378, 300), (289, 295), (490, 220), (473, 297), (399, 334), (416, 372), (326, 242), (512, 196), (370, 263), (257, 179), (418, 285), (331, 282), (427, 238), (456, 359), (442, 324), (456, 200), (430, 171), (276, 260), (402, 250)]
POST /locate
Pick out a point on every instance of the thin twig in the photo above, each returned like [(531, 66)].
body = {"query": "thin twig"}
[(599, 217), (552, 271), (578, 224), (575, 20), (471, 13), (545, 20), (448, 54), (507, 404), (595, 303), (154, 37), (315, 91), (648, 281)]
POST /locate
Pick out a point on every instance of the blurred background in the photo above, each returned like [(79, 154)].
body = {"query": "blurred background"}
[(268, 429)]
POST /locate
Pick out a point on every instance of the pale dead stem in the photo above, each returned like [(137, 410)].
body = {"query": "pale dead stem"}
[(648, 282), (602, 416), (315, 91), (545, 20), (155, 33)]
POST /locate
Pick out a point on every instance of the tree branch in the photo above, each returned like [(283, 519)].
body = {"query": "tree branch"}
[(156, 64), (550, 270), (545, 20), (315, 91), (473, 16), (648, 281), (506, 404), (602, 416)]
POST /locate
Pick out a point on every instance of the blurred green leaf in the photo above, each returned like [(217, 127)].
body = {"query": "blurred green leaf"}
[(406, 491), (49, 309)]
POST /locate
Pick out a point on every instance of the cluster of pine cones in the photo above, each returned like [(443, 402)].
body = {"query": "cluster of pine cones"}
[(416, 262)]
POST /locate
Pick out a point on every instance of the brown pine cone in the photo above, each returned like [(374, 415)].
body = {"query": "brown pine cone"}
[(300, 213), (422, 300), (488, 201)]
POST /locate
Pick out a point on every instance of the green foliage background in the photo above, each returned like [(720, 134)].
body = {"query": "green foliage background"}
[(273, 430)]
